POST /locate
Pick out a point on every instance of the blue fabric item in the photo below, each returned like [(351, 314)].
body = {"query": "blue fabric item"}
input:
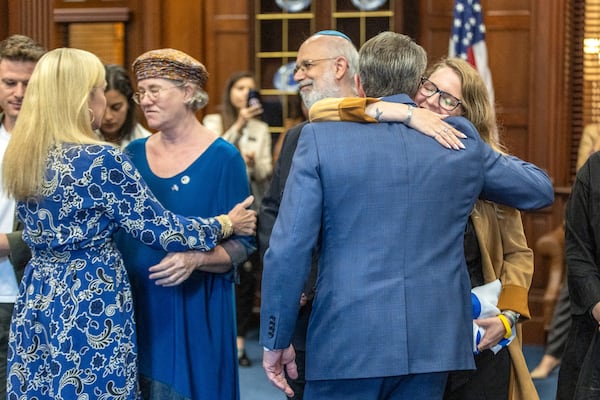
[(331, 32), (187, 333), (484, 300), (476, 305)]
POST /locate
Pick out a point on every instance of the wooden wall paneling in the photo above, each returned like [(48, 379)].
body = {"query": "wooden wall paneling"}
[(435, 18), (32, 18), (507, 39), (101, 30), (547, 129), (575, 88), (144, 31), (3, 19), (547, 75), (228, 42), (323, 18), (182, 27)]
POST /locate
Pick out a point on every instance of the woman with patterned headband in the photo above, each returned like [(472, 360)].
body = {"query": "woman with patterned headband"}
[(184, 301)]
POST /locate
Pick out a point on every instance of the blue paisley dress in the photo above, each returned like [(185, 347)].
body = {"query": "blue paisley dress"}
[(73, 334)]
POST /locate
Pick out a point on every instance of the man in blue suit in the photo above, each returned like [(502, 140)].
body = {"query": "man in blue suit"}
[(392, 311)]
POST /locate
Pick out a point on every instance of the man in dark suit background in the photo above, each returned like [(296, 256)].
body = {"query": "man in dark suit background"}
[(327, 62), (388, 207)]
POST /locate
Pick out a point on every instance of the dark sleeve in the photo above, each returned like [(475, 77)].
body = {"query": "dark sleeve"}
[(582, 226), (19, 252), (269, 208)]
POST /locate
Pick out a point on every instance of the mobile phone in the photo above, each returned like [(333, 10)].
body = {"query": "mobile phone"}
[(253, 97)]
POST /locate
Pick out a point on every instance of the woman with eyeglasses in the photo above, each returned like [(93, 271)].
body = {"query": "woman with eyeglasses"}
[(495, 242), (184, 302), (239, 123)]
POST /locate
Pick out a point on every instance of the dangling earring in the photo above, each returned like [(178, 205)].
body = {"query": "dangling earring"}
[(92, 118)]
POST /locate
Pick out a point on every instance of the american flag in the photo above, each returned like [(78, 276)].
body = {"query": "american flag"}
[(467, 40)]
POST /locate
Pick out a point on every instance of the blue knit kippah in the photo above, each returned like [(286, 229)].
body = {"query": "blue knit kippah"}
[(331, 32)]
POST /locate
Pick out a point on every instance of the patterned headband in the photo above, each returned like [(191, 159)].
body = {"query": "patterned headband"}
[(169, 64)]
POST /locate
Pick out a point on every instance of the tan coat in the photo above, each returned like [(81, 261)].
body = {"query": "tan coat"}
[(505, 255)]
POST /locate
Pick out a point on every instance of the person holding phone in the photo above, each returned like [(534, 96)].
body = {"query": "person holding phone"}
[(240, 124)]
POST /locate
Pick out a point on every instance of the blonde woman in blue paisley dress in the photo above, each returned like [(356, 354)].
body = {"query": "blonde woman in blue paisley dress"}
[(73, 332)]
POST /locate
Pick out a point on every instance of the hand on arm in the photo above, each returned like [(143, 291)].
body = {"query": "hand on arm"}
[(175, 268), (372, 110), (274, 363), (243, 220), (425, 121)]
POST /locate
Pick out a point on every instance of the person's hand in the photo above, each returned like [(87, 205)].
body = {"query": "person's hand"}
[(303, 300), (249, 159), (596, 314), (243, 220), (175, 268), (494, 332), (274, 363), (423, 120), (433, 125), (246, 114), (251, 112)]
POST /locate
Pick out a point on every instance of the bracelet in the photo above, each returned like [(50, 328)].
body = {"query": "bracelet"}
[(226, 225), (408, 115), (512, 316), (506, 326)]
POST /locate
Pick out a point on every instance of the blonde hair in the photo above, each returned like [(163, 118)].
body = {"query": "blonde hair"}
[(475, 101), (55, 111)]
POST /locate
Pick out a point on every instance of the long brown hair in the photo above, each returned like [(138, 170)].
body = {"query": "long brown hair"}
[(476, 105), (229, 112)]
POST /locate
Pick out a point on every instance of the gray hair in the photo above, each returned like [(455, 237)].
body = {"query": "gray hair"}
[(199, 98), (391, 63)]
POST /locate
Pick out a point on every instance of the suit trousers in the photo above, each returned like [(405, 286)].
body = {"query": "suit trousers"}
[(414, 387), (489, 381), (299, 342), (6, 310)]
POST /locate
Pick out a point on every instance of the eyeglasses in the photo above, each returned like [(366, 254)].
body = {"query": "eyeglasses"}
[(446, 100), (308, 64), (153, 93)]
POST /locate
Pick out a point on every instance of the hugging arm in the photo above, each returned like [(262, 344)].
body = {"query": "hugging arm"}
[(369, 109)]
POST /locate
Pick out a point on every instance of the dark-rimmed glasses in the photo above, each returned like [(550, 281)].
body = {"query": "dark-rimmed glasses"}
[(308, 64), (153, 93), (445, 100)]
